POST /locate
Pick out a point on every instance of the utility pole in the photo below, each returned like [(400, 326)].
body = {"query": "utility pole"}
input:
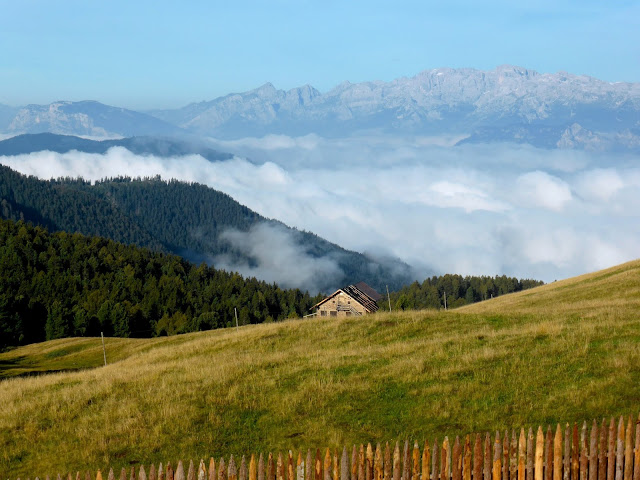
[(236, 312), (389, 298), (104, 350), (445, 299)]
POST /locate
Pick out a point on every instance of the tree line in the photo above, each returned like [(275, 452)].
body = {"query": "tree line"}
[(60, 285), (457, 290)]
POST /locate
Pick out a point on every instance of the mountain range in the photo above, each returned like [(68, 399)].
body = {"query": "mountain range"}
[(509, 103)]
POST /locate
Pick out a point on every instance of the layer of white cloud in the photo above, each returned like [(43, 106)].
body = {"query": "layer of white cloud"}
[(484, 209)]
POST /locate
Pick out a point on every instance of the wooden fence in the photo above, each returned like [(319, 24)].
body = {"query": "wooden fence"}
[(599, 452)]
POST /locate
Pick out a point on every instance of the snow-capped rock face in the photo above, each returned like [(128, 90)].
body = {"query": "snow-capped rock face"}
[(85, 118), (434, 101)]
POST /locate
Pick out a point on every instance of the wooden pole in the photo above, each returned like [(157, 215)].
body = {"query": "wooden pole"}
[(104, 350), (235, 310), (388, 298)]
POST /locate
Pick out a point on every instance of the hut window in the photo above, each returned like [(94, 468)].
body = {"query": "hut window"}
[(333, 313), (323, 313)]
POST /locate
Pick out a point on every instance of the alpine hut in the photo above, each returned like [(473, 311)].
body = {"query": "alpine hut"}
[(358, 299)]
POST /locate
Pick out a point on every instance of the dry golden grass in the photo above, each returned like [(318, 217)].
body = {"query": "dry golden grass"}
[(568, 351)]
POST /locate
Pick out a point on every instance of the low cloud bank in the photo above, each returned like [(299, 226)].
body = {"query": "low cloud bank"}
[(476, 209), (277, 256)]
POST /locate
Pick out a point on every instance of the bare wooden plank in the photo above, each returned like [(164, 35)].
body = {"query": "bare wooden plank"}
[(222, 470), (378, 470), (628, 453), (299, 467), (566, 461), (539, 456), (602, 452), (575, 453), (327, 465), (309, 466), (233, 469), (486, 472), (361, 460), (406, 462), (98, 475), (522, 454), (336, 465), (152, 473), (191, 474), (368, 464), (123, 475), (477, 458), (505, 455), (318, 469), (611, 451), (466, 462), (636, 459), (243, 472), (396, 462), (496, 467), (142, 474), (160, 472), (169, 472), (354, 463), (530, 454), (584, 452), (548, 457), (387, 472), (261, 467), (344, 465), (426, 461), (415, 472), (212, 469), (456, 460), (513, 455), (253, 468), (593, 452), (280, 467), (445, 460), (620, 450), (557, 454), (291, 468), (271, 467), (435, 460)]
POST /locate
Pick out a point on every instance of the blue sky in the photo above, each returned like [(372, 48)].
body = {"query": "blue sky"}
[(145, 54)]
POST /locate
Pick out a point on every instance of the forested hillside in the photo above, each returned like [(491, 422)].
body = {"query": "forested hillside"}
[(459, 291), (60, 285), (174, 217)]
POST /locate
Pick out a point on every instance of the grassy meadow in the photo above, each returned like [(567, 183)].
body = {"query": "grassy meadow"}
[(564, 352)]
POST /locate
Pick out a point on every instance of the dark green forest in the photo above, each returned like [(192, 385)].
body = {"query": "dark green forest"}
[(60, 285), (185, 219), (459, 291)]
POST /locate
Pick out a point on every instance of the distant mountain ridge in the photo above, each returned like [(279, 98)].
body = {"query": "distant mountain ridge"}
[(443, 100), (87, 117), (509, 103), (145, 145)]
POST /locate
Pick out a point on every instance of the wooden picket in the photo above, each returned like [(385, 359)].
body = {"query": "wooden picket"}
[(605, 451)]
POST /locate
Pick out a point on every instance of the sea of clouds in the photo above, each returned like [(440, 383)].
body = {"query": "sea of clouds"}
[(472, 209)]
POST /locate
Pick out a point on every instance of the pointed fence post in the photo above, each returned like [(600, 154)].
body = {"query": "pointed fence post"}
[(496, 467), (557, 454), (593, 452), (466, 462), (477, 458), (378, 468), (539, 465)]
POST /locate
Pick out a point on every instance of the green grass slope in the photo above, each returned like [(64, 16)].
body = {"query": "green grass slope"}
[(565, 352)]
